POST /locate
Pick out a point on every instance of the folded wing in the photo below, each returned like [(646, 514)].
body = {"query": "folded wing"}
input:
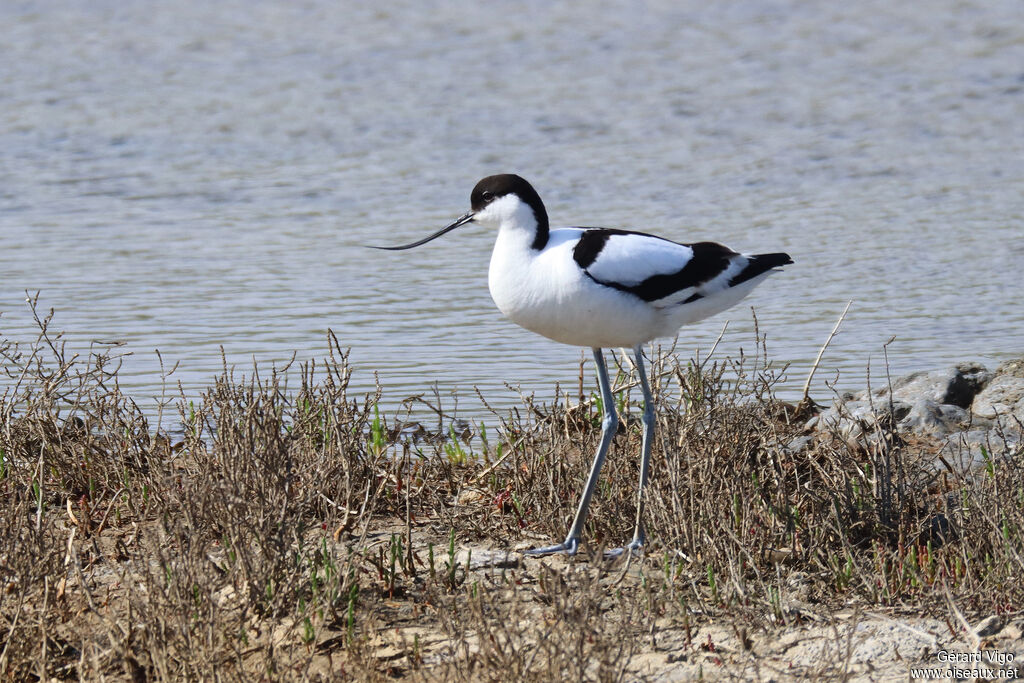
[(662, 272)]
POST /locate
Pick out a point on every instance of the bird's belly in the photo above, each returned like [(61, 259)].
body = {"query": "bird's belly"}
[(570, 308)]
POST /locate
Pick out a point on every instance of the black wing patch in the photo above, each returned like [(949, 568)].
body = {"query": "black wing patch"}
[(708, 261)]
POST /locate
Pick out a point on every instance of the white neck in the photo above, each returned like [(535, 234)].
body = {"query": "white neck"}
[(512, 217)]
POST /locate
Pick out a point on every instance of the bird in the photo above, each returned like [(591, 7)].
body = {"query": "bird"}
[(601, 288)]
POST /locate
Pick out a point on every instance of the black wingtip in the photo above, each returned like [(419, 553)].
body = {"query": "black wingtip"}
[(772, 260), (760, 263)]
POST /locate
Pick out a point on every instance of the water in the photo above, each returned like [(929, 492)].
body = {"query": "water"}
[(194, 175)]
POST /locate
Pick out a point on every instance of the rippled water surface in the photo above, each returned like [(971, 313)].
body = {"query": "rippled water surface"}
[(188, 176)]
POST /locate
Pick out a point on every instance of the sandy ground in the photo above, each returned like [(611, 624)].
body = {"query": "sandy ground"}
[(812, 642)]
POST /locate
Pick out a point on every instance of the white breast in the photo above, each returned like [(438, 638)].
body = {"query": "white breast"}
[(547, 293)]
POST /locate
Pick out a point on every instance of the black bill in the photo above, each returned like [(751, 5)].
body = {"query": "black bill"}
[(461, 221)]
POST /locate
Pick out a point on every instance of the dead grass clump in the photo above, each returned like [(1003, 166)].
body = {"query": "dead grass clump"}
[(68, 431), (245, 567), (190, 560), (30, 570)]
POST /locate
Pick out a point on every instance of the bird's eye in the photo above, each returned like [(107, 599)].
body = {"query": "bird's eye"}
[(487, 195)]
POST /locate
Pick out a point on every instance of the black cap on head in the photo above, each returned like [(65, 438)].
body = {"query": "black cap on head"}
[(497, 186)]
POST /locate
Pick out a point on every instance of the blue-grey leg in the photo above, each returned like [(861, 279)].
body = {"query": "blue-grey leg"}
[(609, 424), (645, 457)]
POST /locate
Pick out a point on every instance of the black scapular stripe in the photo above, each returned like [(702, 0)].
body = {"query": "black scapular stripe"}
[(592, 242), (589, 246), (708, 261)]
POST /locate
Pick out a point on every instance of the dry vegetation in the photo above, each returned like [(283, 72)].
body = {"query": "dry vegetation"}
[(289, 532)]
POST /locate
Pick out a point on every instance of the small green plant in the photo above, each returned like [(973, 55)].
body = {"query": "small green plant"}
[(776, 602), (229, 551), (308, 632), (416, 656), (395, 548), (844, 575), (377, 440), (621, 402), (598, 404), (457, 455), (484, 444), (37, 495), (450, 576), (990, 466), (388, 561)]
